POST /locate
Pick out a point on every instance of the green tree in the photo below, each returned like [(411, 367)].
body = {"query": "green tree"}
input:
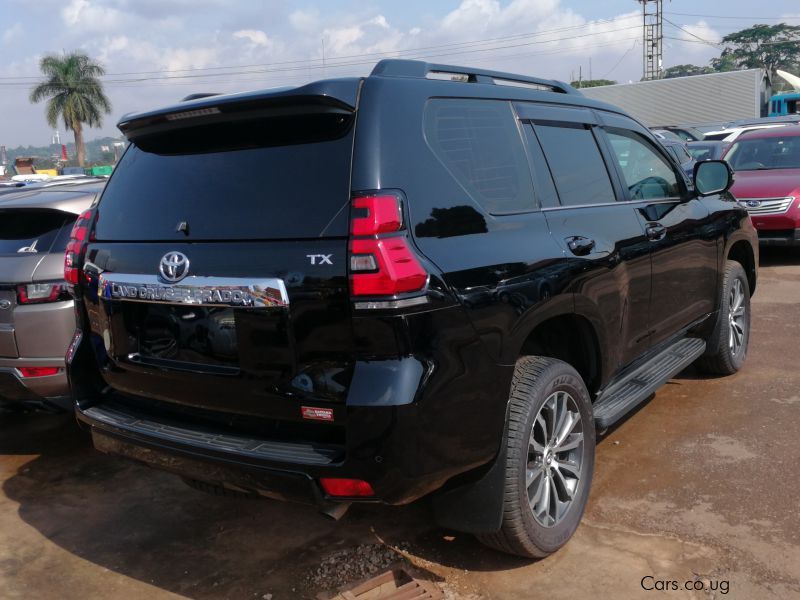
[(769, 47), (686, 71), (74, 93), (586, 83)]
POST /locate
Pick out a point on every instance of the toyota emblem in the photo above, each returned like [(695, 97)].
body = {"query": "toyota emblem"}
[(5, 304), (174, 266)]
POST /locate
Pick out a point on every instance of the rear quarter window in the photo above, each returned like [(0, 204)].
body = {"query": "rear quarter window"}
[(479, 143)]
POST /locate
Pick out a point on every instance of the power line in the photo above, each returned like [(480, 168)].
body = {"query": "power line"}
[(317, 61), (691, 34), (261, 77), (679, 14), (619, 62), (340, 64)]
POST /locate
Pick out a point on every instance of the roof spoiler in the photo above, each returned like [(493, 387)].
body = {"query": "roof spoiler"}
[(327, 96)]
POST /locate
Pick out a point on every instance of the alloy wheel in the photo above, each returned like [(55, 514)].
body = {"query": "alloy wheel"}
[(555, 457), (736, 317)]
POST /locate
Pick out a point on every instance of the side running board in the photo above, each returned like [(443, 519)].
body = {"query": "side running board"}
[(633, 388)]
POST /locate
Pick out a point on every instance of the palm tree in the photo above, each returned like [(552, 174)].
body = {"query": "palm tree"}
[(73, 92)]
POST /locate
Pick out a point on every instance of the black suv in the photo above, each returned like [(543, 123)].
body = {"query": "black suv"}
[(429, 281)]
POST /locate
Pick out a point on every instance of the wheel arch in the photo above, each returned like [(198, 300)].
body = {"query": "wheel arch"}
[(742, 252), (573, 336)]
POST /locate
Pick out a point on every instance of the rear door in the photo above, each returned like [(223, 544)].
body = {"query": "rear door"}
[(602, 238), (217, 276)]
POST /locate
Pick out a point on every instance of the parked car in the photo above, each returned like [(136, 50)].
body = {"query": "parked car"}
[(767, 165), (707, 150), (682, 155), (729, 135), (784, 119), (37, 319), (447, 303), (666, 135), (685, 132)]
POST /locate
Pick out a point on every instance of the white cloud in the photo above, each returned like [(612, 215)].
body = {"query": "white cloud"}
[(695, 35), (255, 36), (88, 16), (13, 33), (304, 21), (178, 59)]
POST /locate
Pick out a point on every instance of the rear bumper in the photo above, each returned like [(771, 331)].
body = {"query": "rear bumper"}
[(408, 426), (51, 391), (115, 434)]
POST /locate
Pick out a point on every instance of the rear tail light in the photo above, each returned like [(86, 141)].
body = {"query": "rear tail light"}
[(37, 293), (347, 488), (76, 248), (38, 371), (382, 262)]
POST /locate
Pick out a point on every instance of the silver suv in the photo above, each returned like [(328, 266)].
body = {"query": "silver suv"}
[(37, 318)]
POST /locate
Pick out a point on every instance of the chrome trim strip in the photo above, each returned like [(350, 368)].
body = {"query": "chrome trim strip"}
[(195, 291), (391, 304), (617, 203)]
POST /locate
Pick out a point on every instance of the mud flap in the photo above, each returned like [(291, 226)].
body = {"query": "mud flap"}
[(476, 507)]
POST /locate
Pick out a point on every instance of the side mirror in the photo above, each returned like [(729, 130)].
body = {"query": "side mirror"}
[(712, 177)]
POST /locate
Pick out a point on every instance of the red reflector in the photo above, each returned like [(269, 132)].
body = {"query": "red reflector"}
[(316, 414), (383, 215), (38, 371), (346, 488), (398, 269)]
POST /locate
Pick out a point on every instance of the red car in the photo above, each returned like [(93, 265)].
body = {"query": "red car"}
[(767, 166)]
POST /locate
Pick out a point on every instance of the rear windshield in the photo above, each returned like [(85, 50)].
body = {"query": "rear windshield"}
[(34, 231), (765, 153), (268, 178)]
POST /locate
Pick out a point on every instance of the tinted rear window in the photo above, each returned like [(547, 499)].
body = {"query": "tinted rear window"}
[(255, 179), (34, 231)]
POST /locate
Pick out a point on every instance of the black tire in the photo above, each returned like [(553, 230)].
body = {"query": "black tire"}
[(218, 490), (536, 380), (720, 357)]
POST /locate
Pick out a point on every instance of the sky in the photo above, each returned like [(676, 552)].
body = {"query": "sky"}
[(157, 51)]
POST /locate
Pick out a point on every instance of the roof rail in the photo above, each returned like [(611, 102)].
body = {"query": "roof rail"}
[(395, 67), (199, 95)]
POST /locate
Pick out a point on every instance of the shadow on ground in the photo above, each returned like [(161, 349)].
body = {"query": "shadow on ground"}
[(149, 526), (779, 257)]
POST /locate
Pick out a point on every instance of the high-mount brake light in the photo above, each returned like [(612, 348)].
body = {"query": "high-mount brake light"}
[(382, 262), (76, 247)]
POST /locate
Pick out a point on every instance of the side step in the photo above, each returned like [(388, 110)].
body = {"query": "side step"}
[(634, 387)]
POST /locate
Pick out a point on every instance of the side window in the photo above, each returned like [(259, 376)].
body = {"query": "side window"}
[(648, 175), (479, 143), (575, 161)]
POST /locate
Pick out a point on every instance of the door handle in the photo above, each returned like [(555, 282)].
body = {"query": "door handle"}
[(655, 231), (580, 246)]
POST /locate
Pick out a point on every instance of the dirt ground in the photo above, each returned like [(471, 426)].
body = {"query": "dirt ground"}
[(699, 486)]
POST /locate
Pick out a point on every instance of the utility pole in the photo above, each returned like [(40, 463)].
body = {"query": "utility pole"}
[(652, 38)]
